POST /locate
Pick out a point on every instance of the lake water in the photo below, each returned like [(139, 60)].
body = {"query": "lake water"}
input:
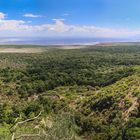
[(56, 41)]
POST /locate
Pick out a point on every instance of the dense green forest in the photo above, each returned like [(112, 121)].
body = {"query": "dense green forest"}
[(92, 93)]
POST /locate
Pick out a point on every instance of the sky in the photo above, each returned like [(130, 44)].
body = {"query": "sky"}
[(72, 18)]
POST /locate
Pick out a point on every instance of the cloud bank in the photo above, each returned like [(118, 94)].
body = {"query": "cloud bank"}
[(58, 28)]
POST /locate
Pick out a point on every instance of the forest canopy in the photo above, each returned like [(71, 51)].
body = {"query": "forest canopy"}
[(87, 93)]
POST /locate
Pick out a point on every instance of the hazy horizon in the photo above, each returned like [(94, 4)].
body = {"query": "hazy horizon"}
[(60, 40)]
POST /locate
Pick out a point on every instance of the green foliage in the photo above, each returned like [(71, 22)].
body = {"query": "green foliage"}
[(99, 84)]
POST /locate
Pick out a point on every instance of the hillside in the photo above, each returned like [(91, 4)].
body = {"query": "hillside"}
[(89, 93)]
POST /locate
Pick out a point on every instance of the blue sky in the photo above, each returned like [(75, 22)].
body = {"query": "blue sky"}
[(97, 18)]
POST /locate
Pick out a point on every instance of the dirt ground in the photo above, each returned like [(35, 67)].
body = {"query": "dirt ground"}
[(21, 50)]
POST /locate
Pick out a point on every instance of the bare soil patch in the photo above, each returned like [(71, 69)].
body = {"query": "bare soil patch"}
[(21, 50), (72, 47)]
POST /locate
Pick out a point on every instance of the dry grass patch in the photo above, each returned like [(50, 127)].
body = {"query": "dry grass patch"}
[(21, 50)]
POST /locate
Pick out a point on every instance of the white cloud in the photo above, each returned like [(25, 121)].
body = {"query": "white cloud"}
[(2, 15), (58, 19), (85, 30), (31, 15), (59, 28)]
